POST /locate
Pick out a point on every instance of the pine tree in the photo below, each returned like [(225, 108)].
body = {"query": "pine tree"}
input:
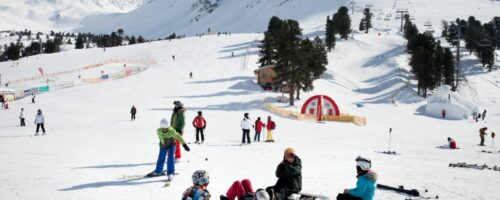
[(438, 62), (13, 52), (342, 22), (423, 63), (329, 34), (140, 39), (362, 25), (69, 41), (267, 50), (367, 20), (132, 40), (79, 42), (448, 67)]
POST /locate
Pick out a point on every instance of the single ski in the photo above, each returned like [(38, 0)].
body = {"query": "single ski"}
[(400, 189), (309, 196)]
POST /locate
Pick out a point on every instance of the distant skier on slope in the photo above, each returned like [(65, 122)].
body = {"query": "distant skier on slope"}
[(365, 186), (243, 190), (246, 125), (133, 111), (21, 117), (177, 122), (443, 113), (199, 123), (289, 173), (168, 138), (199, 190), (271, 125), (484, 114), (39, 121)]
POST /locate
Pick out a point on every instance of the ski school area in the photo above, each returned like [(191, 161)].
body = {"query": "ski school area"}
[(93, 150)]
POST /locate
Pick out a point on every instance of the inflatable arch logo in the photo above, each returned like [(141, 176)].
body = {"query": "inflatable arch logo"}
[(320, 105)]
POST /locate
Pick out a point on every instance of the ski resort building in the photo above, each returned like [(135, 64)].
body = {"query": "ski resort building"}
[(266, 79)]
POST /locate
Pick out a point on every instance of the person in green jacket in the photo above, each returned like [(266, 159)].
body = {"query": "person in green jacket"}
[(289, 173), (168, 137), (177, 122)]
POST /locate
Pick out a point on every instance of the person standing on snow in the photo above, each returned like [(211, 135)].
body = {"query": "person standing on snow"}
[(21, 117), (199, 190), (200, 124), (289, 173), (39, 121), (133, 111), (443, 113), (177, 122), (271, 125), (246, 125), (33, 98), (258, 128), (365, 186), (168, 138), (478, 117), (482, 133), (484, 114)]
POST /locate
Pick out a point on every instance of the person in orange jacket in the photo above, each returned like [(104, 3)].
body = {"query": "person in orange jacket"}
[(200, 124)]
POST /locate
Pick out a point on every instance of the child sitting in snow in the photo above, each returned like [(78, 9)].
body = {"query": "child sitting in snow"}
[(199, 189), (451, 143)]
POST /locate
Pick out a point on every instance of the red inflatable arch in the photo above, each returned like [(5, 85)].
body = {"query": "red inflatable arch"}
[(320, 105)]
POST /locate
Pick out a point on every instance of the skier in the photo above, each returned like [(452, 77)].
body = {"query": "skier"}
[(478, 117), (168, 138), (21, 117), (246, 125), (443, 113), (199, 190), (243, 190), (289, 173), (33, 98), (484, 114), (482, 133), (365, 186), (39, 121), (173, 57), (2, 100), (200, 124), (474, 116), (177, 122), (133, 111), (451, 143), (258, 128), (270, 127), (190, 74)]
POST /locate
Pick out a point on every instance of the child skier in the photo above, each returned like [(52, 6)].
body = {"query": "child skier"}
[(270, 127), (244, 191), (168, 137), (365, 186), (21, 117), (258, 128), (39, 121), (199, 190), (451, 143), (200, 124)]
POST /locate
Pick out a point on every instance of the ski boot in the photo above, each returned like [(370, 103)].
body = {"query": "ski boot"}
[(154, 174)]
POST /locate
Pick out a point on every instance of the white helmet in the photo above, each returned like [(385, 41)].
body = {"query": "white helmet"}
[(164, 123), (363, 163), (261, 194)]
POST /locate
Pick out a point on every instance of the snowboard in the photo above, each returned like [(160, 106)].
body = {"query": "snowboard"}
[(309, 196)]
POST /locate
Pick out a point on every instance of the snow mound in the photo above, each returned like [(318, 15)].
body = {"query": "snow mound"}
[(455, 106)]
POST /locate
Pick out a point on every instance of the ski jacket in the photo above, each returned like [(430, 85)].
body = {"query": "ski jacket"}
[(482, 132), (39, 119), (365, 187), (196, 193), (290, 175), (246, 124), (199, 122), (133, 110), (21, 115), (270, 125), (259, 125), (168, 137), (453, 144), (177, 119)]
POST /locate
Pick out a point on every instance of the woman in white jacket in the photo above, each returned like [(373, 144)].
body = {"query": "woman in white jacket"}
[(246, 125), (39, 121)]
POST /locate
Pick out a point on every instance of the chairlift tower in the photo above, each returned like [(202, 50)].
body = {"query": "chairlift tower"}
[(402, 12)]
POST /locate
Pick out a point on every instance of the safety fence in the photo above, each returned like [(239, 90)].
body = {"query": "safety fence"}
[(128, 72), (293, 114)]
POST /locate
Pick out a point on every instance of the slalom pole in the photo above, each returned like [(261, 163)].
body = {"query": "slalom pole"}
[(390, 139)]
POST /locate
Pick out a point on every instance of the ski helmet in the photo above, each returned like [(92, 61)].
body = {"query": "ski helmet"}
[(363, 163), (201, 177), (261, 194), (164, 123)]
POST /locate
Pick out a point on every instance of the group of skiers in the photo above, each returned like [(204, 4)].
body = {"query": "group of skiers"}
[(258, 125), (477, 116), (39, 121), (288, 186)]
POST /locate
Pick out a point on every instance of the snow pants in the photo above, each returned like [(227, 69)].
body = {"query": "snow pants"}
[(269, 135), (198, 132), (178, 148), (246, 135), (132, 117), (170, 160), (347, 197), (482, 141), (22, 122), (257, 136), (239, 189), (38, 127)]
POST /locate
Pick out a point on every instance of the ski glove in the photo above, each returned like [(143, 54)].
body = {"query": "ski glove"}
[(186, 147)]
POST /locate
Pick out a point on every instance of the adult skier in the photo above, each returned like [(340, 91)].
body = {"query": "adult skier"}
[(133, 111), (271, 125), (21, 117), (39, 121), (32, 98), (443, 113), (289, 173), (199, 123), (365, 186), (177, 122), (482, 133), (484, 114), (243, 190), (258, 129), (199, 190), (246, 125), (168, 138)]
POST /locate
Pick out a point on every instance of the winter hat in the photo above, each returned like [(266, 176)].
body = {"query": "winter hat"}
[(363, 163), (261, 194), (178, 104), (289, 151), (164, 123), (199, 112)]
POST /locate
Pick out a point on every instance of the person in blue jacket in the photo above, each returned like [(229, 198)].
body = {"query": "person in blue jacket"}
[(365, 187)]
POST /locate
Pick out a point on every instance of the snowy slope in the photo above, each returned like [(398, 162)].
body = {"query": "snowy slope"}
[(46, 15)]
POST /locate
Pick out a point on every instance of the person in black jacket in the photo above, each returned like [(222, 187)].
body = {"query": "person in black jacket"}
[(133, 111), (289, 173)]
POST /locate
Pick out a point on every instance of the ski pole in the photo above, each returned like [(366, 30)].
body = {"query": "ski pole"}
[(199, 156)]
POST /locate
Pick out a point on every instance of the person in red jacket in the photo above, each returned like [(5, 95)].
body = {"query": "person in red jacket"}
[(200, 124), (270, 127), (258, 128), (452, 143)]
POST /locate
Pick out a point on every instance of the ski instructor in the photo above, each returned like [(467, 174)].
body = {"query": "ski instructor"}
[(177, 122)]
